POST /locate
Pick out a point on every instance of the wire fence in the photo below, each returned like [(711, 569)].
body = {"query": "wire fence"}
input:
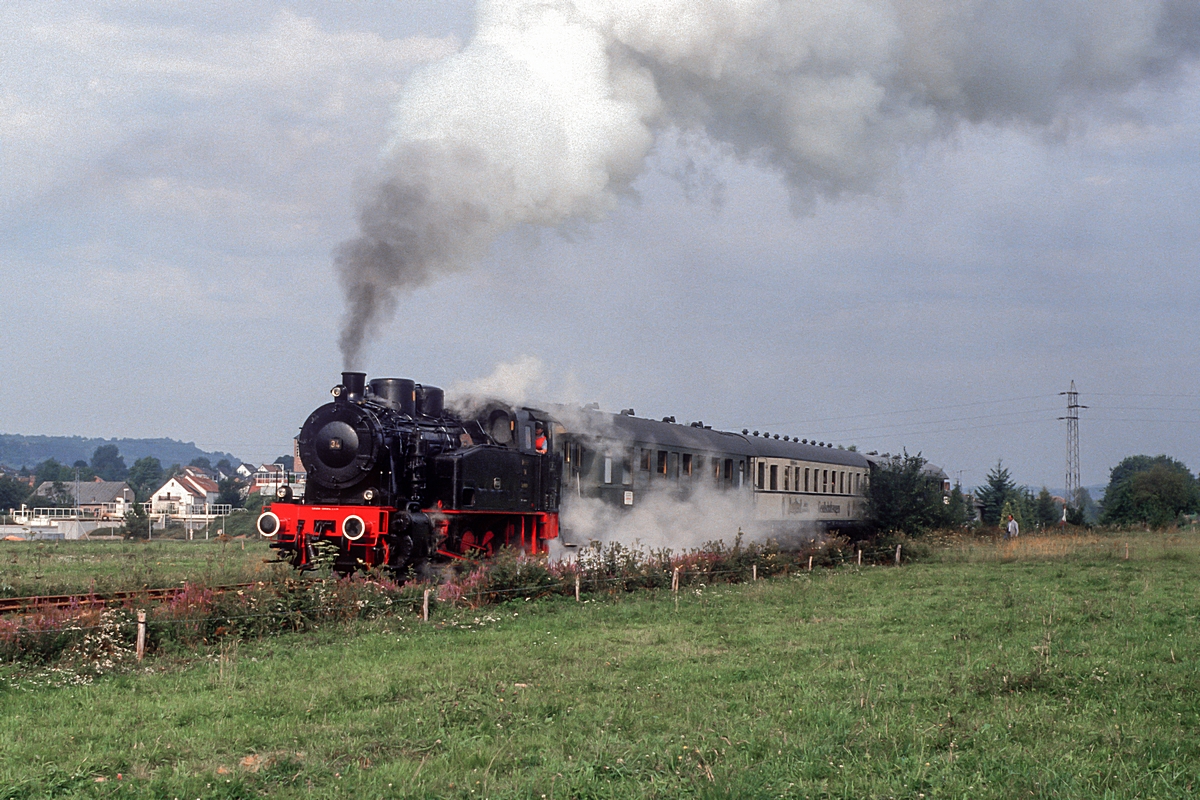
[(196, 615)]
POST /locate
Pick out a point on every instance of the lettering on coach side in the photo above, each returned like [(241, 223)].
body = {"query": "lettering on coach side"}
[(829, 508)]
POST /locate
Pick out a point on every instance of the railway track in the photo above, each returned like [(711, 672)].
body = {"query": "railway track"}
[(35, 603)]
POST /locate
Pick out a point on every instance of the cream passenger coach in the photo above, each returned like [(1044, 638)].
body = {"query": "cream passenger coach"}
[(796, 490)]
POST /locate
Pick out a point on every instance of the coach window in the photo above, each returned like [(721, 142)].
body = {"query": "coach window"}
[(774, 477), (717, 471), (627, 472), (699, 465), (687, 464), (608, 469), (741, 473), (674, 471), (825, 481), (645, 461), (787, 479), (842, 482), (662, 462), (762, 472), (729, 470), (806, 479)]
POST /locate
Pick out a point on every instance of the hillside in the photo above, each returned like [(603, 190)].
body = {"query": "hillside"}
[(18, 450)]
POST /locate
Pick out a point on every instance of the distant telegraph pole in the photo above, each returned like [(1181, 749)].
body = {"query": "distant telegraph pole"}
[(1072, 419)]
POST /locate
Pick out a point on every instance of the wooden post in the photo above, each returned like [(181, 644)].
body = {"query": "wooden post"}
[(860, 558), (810, 563), (754, 572), (897, 555), (141, 635), (425, 607), (675, 581), (576, 587), (1127, 551)]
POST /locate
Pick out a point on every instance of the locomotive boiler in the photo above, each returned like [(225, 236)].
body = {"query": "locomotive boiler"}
[(395, 479)]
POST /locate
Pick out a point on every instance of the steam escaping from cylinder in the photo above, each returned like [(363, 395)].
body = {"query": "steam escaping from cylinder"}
[(550, 111)]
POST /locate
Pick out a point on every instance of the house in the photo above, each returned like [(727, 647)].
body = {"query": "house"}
[(190, 493), (244, 471), (98, 498), (269, 477)]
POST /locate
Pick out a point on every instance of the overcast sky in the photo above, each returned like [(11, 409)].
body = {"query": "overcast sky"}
[(175, 180)]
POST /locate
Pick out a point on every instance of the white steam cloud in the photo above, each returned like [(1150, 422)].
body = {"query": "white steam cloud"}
[(659, 520), (550, 111)]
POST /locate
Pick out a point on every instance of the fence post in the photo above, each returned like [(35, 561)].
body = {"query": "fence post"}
[(1127, 551), (576, 587), (675, 581), (754, 572), (860, 558), (810, 563), (897, 555), (425, 607), (141, 635)]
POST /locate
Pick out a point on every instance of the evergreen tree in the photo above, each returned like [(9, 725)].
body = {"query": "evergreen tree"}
[(902, 497), (1046, 512), (960, 511), (992, 496)]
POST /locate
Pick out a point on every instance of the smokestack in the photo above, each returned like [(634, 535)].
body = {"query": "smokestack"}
[(354, 383)]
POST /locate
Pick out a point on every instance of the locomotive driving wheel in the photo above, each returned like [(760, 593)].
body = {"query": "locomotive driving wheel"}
[(473, 544)]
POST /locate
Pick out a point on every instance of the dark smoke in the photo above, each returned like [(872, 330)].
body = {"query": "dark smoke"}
[(550, 111)]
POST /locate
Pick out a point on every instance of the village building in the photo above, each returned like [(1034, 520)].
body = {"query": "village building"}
[(97, 498), (191, 493)]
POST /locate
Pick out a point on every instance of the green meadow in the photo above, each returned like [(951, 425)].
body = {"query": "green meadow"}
[(1054, 667)]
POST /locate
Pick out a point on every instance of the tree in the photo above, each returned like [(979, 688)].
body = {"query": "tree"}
[(902, 497), (992, 496), (1150, 490), (12, 493), (52, 470), (960, 511), (225, 467), (1045, 509), (200, 461), (231, 492), (108, 463), (145, 476)]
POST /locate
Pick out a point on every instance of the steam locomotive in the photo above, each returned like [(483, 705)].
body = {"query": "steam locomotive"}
[(395, 479)]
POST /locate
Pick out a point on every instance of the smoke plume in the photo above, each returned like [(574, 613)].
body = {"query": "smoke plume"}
[(549, 113)]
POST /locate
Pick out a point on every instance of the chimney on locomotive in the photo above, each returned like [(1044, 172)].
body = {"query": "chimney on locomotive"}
[(351, 389)]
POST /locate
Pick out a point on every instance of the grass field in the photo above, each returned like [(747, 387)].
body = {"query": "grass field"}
[(60, 567), (1046, 668)]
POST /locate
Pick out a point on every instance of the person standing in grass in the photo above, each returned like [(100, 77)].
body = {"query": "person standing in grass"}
[(1014, 530)]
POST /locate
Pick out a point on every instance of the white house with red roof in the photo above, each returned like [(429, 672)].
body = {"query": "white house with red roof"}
[(190, 493)]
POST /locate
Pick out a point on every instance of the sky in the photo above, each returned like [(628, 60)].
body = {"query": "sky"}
[(889, 267)]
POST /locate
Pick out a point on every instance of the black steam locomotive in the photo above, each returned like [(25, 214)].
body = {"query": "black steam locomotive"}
[(394, 479)]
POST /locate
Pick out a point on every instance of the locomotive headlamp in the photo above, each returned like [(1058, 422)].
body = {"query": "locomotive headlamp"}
[(369, 495), (268, 524), (337, 390), (353, 527), (284, 493)]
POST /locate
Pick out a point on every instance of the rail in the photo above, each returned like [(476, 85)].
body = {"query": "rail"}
[(35, 603)]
